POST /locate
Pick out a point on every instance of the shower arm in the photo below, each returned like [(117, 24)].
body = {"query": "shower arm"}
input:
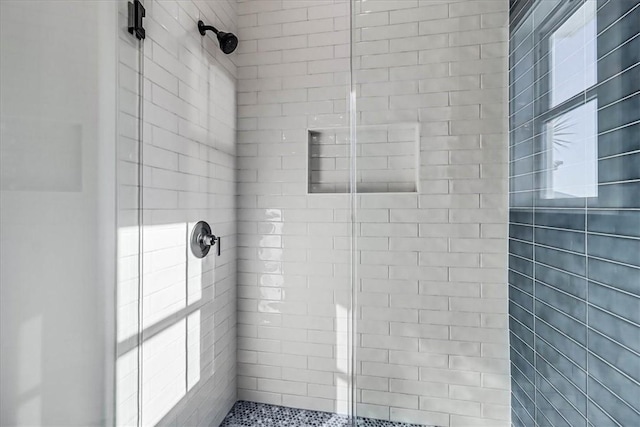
[(204, 28)]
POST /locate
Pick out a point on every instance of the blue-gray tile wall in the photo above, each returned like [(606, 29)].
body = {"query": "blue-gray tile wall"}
[(574, 262)]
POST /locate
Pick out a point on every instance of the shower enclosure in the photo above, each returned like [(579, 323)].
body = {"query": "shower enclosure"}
[(419, 212)]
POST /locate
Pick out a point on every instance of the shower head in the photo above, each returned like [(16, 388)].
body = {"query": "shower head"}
[(228, 41)]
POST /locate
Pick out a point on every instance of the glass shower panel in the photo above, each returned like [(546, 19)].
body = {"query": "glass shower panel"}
[(430, 172), (385, 189), (128, 353), (58, 129)]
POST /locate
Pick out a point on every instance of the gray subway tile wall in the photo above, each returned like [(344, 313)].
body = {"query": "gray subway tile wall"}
[(574, 252)]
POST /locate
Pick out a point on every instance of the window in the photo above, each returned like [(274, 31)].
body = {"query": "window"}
[(566, 104)]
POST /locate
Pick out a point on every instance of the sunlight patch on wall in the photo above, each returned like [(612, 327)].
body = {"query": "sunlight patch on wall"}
[(193, 349), (163, 373)]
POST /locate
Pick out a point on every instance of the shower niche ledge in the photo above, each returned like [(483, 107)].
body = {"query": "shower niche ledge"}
[(387, 159)]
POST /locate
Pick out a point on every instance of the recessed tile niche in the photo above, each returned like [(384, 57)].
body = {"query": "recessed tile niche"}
[(387, 159)]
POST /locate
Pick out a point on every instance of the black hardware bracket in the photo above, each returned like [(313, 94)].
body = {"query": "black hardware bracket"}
[(136, 13)]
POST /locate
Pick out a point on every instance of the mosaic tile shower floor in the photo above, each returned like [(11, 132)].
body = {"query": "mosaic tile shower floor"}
[(250, 414)]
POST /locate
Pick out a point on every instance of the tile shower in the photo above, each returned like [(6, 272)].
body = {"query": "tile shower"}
[(426, 213), (431, 108)]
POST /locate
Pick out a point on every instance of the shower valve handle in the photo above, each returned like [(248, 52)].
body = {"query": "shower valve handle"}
[(210, 240), (202, 239)]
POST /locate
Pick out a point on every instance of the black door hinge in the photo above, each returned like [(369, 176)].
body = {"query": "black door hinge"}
[(136, 13)]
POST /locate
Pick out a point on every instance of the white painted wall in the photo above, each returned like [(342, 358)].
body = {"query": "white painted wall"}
[(432, 342), (57, 212)]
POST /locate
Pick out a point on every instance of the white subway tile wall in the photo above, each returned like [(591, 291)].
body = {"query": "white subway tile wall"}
[(293, 249), (432, 293), (188, 164)]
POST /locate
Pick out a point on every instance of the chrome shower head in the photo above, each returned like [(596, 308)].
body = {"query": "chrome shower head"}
[(228, 41)]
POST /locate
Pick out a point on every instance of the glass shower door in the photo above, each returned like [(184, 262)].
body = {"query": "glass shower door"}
[(128, 353)]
